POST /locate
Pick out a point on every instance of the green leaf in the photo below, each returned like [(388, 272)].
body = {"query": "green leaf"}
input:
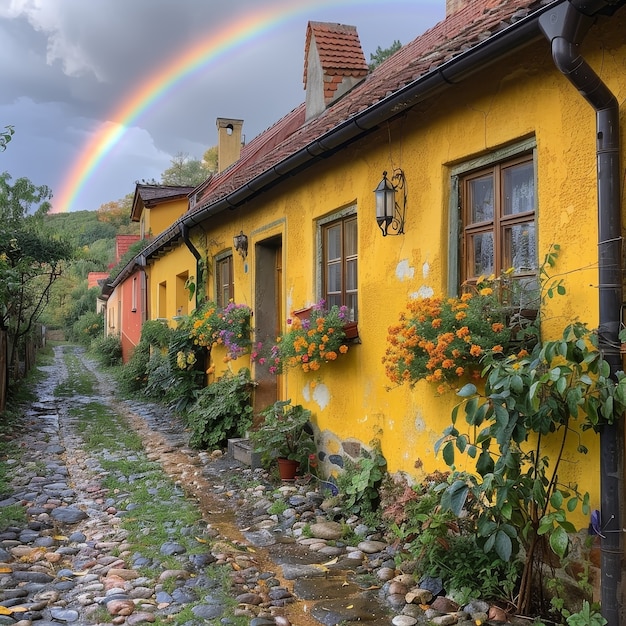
[(559, 541), (454, 497), (485, 464), (506, 510), (557, 500), (517, 384), (448, 453), (466, 391), (571, 504), (503, 545)]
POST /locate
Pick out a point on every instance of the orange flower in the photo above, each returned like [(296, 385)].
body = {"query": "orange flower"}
[(343, 349), (498, 349), (497, 327), (522, 353), (459, 371), (476, 350)]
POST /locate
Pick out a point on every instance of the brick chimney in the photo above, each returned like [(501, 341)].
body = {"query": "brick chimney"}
[(333, 63), (452, 6), (228, 142)]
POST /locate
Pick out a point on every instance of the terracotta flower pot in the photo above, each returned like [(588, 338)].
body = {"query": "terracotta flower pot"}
[(287, 468)]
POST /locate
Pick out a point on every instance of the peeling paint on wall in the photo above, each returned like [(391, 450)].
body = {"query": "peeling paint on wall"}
[(320, 394), (426, 269), (404, 271), (423, 292)]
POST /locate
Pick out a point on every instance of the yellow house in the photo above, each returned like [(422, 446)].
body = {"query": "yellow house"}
[(500, 130), (132, 296)]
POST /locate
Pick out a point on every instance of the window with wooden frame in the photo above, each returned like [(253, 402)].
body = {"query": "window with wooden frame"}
[(498, 224), (340, 263), (224, 288)]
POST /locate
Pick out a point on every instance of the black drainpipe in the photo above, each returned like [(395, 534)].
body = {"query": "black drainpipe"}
[(565, 26), (184, 232)]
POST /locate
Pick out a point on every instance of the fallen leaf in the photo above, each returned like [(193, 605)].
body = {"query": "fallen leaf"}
[(350, 606), (332, 561), (200, 540), (59, 538)]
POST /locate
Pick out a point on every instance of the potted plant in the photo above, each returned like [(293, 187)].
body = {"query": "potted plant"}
[(284, 434)]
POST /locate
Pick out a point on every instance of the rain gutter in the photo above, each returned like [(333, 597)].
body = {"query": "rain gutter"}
[(565, 25), (184, 232), (461, 67)]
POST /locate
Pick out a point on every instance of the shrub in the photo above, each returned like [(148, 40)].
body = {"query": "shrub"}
[(87, 327), (360, 482), (108, 350), (222, 411)]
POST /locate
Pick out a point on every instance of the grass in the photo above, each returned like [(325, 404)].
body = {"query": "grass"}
[(101, 427), (79, 380)]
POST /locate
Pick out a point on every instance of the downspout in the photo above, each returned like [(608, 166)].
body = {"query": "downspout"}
[(184, 232), (141, 263), (565, 26)]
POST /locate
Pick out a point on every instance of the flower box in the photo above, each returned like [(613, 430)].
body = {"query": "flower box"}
[(350, 328)]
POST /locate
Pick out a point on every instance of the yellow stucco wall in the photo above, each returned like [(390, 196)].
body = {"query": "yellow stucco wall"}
[(167, 274), (522, 98), (156, 219)]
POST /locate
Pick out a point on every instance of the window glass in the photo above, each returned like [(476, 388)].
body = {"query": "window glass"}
[(481, 199), (482, 254), (520, 248), (224, 289), (519, 189), (340, 264), (498, 214)]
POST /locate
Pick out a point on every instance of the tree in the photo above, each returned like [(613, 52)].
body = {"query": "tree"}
[(209, 160), (184, 171), (30, 260), (5, 137), (381, 54), (117, 212)]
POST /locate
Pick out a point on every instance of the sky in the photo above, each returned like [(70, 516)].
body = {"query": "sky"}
[(104, 93)]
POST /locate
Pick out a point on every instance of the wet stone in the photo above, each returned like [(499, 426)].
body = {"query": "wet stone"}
[(171, 548), (68, 515), (334, 612)]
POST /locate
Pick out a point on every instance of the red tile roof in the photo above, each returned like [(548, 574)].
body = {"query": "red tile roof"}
[(122, 244), (339, 49), (465, 29), (94, 278)]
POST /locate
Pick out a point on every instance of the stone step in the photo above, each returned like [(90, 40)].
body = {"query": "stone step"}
[(241, 450)]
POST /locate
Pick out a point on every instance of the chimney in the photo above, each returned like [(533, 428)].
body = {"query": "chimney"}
[(333, 63), (452, 6), (228, 142)]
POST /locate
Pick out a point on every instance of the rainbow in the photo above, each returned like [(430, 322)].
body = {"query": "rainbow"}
[(195, 58)]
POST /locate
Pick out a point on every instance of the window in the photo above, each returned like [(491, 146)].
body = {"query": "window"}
[(134, 295), (498, 229), (224, 288), (340, 263)]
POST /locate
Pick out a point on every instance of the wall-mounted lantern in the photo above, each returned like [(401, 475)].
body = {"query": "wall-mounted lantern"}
[(389, 212), (240, 243)]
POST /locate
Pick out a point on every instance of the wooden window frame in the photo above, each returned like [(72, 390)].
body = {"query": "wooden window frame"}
[(459, 226), (340, 218), (220, 260)]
